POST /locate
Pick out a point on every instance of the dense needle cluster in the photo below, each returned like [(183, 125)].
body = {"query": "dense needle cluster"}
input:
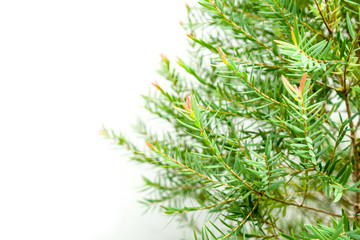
[(265, 117)]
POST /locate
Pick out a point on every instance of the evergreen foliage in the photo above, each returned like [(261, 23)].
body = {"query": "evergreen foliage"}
[(264, 121)]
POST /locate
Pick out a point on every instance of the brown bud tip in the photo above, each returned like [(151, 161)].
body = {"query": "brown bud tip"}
[(149, 145), (156, 85)]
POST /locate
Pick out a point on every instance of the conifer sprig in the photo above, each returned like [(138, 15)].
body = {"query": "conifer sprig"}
[(263, 121)]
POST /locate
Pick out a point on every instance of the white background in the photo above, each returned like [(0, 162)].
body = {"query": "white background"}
[(66, 68)]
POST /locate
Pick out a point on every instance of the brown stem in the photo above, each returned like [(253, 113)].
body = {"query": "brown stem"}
[(328, 86), (328, 10), (351, 124), (269, 224), (243, 221), (305, 206), (323, 18), (353, 142), (282, 13)]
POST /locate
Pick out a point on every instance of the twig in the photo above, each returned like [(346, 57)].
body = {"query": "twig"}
[(243, 221), (207, 207), (305, 206), (349, 113), (186, 167), (328, 86), (323, 18)]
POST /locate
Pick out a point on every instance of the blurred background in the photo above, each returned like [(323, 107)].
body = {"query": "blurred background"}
[(67, 68)]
